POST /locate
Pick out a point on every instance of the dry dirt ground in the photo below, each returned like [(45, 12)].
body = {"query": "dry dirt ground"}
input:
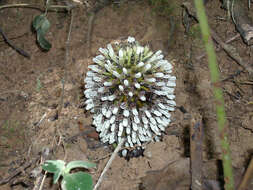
[(31, 94)]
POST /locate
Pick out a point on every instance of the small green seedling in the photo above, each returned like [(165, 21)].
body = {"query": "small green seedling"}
[(70, 181)]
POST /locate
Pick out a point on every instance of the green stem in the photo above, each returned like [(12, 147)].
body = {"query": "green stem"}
[(47, 6), (220, 110)]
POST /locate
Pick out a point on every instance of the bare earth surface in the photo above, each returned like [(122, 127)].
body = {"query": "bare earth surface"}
[(31, 95)]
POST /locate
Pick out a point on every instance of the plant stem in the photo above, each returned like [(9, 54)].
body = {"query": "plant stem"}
[(218, 95), (109, 163), (41, 8)]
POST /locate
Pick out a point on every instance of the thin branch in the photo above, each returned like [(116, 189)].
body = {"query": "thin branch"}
[(109, 163), (38, 7), (18, 171), (64, 78), (65, 64), (43, 181), (247, 176), (19, 50)]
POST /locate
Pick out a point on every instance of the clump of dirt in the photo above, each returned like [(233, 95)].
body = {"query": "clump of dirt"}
[(35, 113)]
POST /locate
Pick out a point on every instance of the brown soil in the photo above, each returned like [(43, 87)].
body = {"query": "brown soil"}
[(31, 92)]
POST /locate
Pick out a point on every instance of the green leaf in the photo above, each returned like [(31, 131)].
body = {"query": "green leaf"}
[(45, 25), (79, 164), (41, 25), (77, 181), (54, 166), (41, 22), (56, 177), (37, 21), (44, 44)]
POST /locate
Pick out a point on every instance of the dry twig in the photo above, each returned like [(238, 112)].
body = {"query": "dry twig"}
[(17, 49), (41, 178), (18, 171), (109, 163), (65, 64), (38, 7), (247, 177), (232, 52)]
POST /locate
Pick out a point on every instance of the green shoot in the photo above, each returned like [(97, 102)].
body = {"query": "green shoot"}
[(220, 108), (70, 181)]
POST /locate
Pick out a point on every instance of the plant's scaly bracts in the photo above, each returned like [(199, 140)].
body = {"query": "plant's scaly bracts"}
[(130, 91)]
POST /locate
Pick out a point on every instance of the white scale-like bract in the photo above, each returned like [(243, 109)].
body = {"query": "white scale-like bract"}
[(130, 91)]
